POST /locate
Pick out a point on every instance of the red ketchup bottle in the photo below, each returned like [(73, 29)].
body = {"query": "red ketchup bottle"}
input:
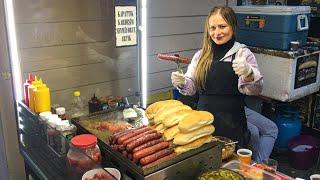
[(26, 85)]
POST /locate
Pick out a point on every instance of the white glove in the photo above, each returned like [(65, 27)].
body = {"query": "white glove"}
[(240, 65), (178, 79)]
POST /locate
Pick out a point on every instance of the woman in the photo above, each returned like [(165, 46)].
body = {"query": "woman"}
[(222, 72)]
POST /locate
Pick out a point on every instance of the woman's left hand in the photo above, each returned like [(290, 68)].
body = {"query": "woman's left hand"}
[(240, 65)]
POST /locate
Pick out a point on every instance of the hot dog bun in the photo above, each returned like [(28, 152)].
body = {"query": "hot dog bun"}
[(155, 107), (175, 118), (195, 120), (194, 144), (163, 113), (185, 138), (169, 134)]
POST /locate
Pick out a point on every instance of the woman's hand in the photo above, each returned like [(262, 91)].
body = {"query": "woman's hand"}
[(240, 65), (178, 79)]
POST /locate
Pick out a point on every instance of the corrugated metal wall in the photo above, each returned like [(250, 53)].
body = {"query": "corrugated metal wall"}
[(71, 44)]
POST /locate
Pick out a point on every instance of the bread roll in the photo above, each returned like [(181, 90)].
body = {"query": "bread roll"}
[(174, 118), (169, 133), (155, 107), (185, 138), (168, 111), (160, 128), (195, 120), (193, 145)]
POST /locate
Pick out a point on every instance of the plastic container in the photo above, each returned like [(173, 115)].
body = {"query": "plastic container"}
[(31, 89), (252, 172), (42, 100), (272, 26), (43, 120), (304, 150), (83, 155), (94, 104), (26, 92), (61, 112), (66, 131), (51, 131), (78, 106)]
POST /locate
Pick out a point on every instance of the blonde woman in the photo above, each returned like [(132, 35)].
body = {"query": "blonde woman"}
[(222, 72)]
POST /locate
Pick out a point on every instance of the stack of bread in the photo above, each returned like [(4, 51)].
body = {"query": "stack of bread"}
[(194, 130), (159, 111), (189, 129)]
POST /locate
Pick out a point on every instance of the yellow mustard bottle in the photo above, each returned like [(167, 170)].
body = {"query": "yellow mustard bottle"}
[(31, 89), (42, 100)]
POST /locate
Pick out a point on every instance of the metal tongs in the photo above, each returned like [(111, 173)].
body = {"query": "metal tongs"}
[(225, 142), (175, 58)]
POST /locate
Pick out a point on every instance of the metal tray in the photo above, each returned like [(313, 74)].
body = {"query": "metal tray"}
[(210, 159)]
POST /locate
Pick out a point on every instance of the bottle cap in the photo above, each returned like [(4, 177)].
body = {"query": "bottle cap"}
[(30, 78), (60, 110), (76, 93), (84, 141)]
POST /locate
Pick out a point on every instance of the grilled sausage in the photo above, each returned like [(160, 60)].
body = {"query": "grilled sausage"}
[(175, 58), (114, 137), (131, 134), (153, 157), (138, 136), (165, 158), (142, 140), (121, 147), (147, 144), (150, 150)]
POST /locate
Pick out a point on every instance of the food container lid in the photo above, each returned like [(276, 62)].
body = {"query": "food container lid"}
[(60, 110), (45, 115), (84, 141), (54, 121), (63, 125)]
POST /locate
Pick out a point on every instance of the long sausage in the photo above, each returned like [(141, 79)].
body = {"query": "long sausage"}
[(150, 150), (138, 136), (175, 58), (131, 134), (153, 157), (165, 158), (123, 133), (142, 140), (147, 144)]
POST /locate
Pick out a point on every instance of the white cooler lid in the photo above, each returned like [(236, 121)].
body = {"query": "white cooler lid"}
[(272, 10)]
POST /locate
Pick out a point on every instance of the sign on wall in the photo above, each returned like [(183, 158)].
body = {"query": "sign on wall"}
[(126, 25)]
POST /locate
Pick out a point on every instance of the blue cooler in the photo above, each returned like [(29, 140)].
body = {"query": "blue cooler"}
[(272, 27)]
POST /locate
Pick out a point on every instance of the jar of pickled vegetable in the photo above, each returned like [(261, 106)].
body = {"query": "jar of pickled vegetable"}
[(83, 155)]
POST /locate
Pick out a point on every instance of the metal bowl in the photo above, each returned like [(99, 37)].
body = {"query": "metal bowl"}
[(228, 149)]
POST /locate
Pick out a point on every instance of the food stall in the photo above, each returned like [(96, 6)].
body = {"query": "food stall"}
[(78, 51)]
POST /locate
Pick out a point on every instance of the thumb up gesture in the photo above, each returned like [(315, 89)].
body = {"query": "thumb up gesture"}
[(240, 65)]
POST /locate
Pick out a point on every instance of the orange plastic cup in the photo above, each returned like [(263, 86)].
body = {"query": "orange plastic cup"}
[(244, 155)]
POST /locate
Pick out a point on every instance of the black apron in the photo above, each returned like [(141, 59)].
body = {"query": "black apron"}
[(222, 98)]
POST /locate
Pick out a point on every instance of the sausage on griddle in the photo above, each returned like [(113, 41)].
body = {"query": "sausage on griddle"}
[(153, 157), (150, 150), (138, 136), (131, 134), (142, 140), (147, 144), (165, 158)]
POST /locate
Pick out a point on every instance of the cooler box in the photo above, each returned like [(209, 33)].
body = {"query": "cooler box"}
[(272, 26)]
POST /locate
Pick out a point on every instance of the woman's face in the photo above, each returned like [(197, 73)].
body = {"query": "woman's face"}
[(219, 30)]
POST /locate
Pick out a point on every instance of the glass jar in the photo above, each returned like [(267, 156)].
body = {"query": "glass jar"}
[(66, 131), (83, 155)]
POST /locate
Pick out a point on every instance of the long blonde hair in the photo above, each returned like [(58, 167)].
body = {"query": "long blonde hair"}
[(206, 56)]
